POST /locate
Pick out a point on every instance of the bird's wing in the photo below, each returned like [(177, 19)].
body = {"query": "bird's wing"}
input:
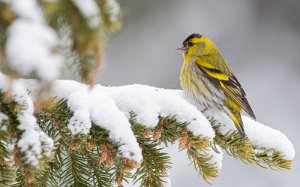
[(220, 75)]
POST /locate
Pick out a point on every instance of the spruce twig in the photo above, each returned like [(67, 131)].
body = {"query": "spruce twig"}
[(243, 149)]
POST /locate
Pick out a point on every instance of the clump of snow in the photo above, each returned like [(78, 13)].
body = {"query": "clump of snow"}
[(112, 8), (29, 49), (27, 9), (46, 142), (105, 113), (128, 100), (94, 105), (34, 143), (259, 134), (148, 103), (64, 88), (90, 10), (80, 122), (31, 42), (264, 136)]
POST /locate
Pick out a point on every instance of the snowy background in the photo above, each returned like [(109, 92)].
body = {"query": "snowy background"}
[(259, 38)]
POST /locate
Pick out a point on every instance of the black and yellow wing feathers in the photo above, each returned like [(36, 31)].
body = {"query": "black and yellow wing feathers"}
[(223, 79)]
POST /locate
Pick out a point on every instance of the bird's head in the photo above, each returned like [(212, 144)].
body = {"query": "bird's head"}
[(197, 45)]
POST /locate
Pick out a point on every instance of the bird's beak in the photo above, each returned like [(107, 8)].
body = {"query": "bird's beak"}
[(181, 49)]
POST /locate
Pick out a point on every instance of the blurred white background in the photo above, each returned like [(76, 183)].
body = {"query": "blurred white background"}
[(259, 38)]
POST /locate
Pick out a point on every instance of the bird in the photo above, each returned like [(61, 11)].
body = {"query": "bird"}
[(208, 78)]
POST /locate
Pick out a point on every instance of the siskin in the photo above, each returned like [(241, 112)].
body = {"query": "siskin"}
[(207, 77)]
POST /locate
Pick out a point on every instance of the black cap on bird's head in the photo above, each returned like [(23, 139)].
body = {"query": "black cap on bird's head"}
[(188, 42), (190, 37)]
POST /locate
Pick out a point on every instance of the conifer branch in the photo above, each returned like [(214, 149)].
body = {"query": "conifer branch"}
[(7, 172), (196, 146), (95, 159), (243, 149), (90, 148), (156, 163)]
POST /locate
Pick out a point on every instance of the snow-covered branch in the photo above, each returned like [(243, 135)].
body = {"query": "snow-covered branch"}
[(259, 134), (133, 115), (110, 108), (32, 46), (101, 105), (30, 42), (91, 135), (33, 142)]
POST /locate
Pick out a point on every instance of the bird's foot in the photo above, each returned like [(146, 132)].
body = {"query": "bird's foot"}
[(204, 110)]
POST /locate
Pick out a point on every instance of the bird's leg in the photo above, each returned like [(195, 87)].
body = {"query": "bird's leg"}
[(205, 109)]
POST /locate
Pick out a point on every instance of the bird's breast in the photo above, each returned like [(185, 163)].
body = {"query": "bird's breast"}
[(195, 84)]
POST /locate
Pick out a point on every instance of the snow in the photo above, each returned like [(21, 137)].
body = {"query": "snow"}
[(94, 105), (30, 48), (148, 103), (31, 42), (27, 9), (65, 88), (264, 136), (109, 107), (112, 7), (89, 9), (34, 143), (80, 122), (46, 142), (259, 134)]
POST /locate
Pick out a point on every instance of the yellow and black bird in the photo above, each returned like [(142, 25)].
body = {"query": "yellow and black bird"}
[(206, 76)]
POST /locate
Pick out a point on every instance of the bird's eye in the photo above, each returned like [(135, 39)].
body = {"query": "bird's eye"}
[(190, 44)]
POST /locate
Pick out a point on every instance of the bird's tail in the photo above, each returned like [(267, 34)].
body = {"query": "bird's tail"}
[(234, 112), (237, 120)]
